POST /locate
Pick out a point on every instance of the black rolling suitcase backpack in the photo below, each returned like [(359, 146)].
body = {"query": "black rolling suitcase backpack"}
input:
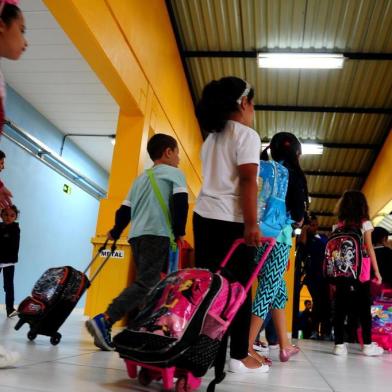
[(53, 298)]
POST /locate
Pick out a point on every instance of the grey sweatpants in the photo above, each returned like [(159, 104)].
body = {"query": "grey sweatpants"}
[(150, 254)]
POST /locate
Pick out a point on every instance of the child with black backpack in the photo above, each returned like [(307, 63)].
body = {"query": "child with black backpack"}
[(346, 265)]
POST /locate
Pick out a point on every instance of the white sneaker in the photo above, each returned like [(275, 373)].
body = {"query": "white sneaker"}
[(372, 350), (236, 366), (273, 346), (8, 358), (340, 349), (261, 347)]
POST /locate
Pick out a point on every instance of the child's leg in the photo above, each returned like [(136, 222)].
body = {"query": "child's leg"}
[(341, 309), (364, 311), (269, 279), (8, 273), (270, 331), (150, 254), (255, 326), (279, 315)]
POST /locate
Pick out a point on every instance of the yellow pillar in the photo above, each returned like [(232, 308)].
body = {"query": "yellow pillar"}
[(132, 49), (128, 162), (378, 188), (289, 278)]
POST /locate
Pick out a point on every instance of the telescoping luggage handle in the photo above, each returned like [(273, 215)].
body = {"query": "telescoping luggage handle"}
[(103, 247), (271, 242)]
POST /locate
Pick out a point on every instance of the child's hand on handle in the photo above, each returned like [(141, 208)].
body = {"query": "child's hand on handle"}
[(378, 278), (180, 240), (252, 235), (109, 236)]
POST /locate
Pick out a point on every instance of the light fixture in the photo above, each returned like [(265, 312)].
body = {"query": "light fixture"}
[(112, 136), (300, 60), (297, 231), (307, 148)]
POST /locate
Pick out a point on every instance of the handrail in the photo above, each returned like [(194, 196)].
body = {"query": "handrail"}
[(43, 153)]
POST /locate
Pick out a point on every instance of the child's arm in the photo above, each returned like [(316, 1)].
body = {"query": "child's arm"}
[(179, 213), (248, 195), (369, 247), (122, 219)]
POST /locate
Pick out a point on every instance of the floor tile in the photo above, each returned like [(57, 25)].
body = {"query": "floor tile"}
[(76, 365)]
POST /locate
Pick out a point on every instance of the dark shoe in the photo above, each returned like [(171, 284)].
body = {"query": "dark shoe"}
[(100, 329)]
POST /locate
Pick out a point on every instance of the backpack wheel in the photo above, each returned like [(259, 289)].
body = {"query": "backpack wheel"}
[(55, 339), (144, 377), (31, 335)]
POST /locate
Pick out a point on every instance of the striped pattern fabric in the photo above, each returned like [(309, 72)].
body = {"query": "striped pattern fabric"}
[(271, 292)]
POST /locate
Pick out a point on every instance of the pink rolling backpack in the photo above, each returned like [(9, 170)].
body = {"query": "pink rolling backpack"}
[(382, 320), (185, 318)]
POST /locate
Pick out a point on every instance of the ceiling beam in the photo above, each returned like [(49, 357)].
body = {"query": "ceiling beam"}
[(177, 36), (324, 195), (334, 173), (254, 53), (322, 109)]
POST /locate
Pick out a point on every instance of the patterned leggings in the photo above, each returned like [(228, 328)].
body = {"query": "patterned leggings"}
[(271, 291)]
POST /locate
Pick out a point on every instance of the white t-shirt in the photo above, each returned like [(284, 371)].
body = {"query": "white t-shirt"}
[(221, 154), (366, 226)]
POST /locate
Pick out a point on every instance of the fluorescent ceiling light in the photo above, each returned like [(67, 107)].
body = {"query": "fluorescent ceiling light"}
[(307, 148), (300, 60)]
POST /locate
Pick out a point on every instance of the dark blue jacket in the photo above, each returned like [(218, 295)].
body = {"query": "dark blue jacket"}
[(9, 242)]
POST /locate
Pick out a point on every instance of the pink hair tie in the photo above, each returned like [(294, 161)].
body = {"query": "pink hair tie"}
[(4, 2)]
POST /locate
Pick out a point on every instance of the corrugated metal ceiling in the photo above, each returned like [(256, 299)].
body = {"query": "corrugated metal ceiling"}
[(208, 29)]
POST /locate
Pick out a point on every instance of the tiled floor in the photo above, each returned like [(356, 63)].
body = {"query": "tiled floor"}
[(75, 365)]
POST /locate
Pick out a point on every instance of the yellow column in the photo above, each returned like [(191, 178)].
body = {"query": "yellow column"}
[(289, 278), (132, 49), (128, 161), (378, 188)]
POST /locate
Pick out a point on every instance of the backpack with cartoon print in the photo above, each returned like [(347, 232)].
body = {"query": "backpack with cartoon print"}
[(345, 255)]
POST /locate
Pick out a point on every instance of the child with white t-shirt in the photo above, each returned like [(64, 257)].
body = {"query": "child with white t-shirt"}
[(354, 297), (226, 208)]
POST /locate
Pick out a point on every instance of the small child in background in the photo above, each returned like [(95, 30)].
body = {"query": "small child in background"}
[(9, 249), (354, 297)]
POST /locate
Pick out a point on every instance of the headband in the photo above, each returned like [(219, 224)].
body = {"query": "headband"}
[(244, 93), (4, 2)]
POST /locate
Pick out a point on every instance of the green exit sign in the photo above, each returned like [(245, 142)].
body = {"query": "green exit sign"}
[(67, 189)]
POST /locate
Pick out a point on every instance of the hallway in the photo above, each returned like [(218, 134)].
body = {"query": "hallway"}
[(75, 365)]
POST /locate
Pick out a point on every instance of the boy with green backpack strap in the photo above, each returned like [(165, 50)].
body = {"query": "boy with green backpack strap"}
[(157, 206)]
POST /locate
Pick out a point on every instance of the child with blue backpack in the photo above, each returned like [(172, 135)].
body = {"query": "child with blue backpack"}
[(282, 201)]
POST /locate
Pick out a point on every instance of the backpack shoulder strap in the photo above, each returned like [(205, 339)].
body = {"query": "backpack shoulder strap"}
[(161, 201)]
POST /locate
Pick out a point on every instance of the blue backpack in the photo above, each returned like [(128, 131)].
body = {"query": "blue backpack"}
[(273, 216)]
